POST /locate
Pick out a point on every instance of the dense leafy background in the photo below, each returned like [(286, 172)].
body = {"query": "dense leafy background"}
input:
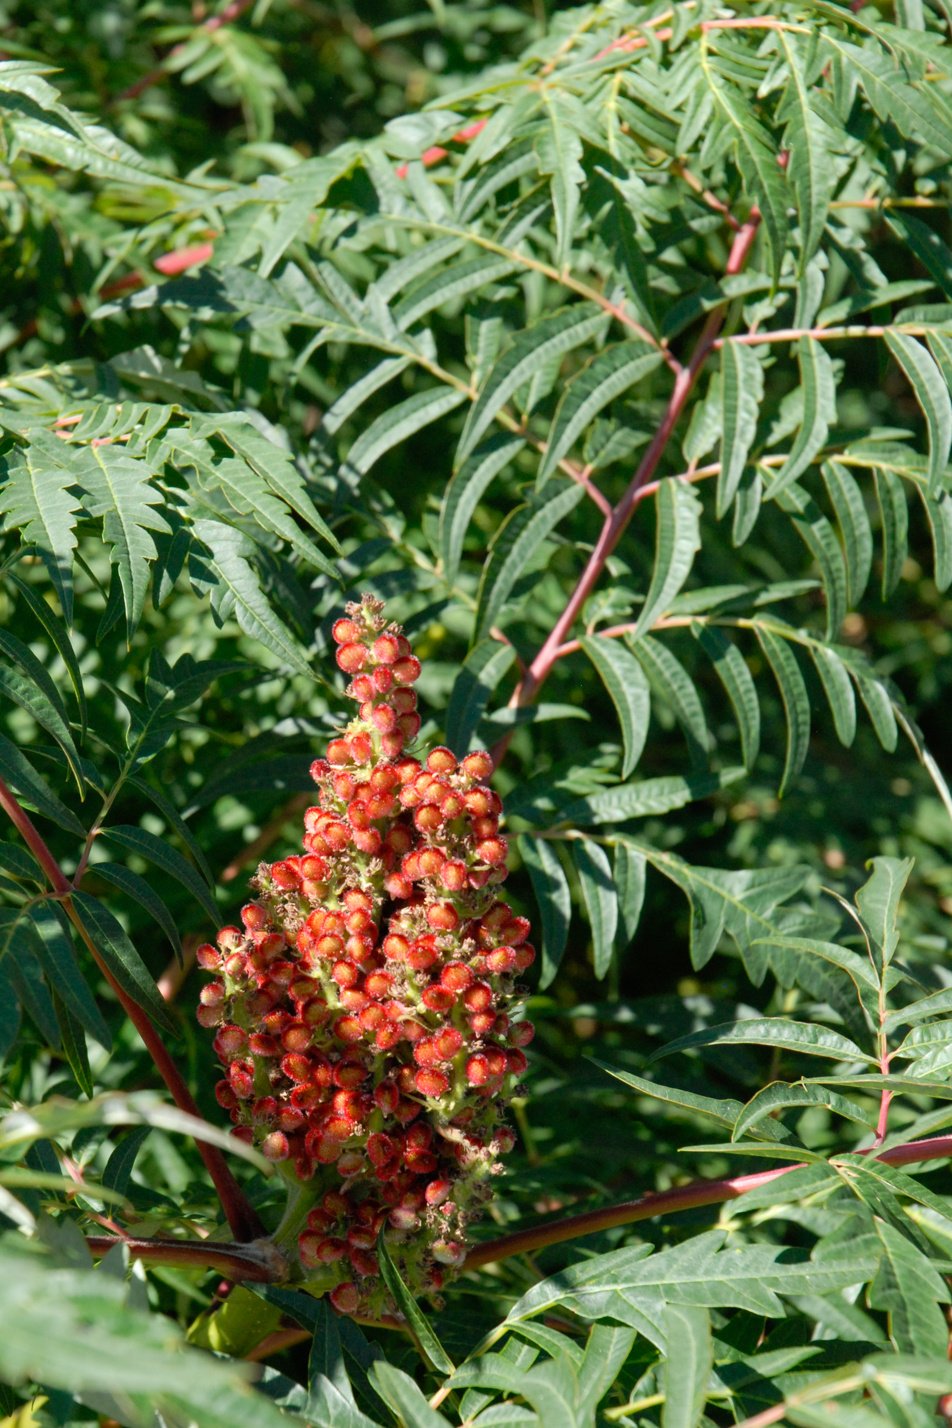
[(390, 375)]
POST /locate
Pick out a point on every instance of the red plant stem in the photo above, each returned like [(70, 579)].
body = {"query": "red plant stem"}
[(820, 334), (261, 1263), (615, 524), (667, 1202), (231, 12), (242, 1219)]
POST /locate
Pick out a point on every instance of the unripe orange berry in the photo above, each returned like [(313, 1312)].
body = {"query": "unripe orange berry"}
[(492, 851), (431, 1083), (361, 749), (275, 1146), (501, 960), (344, 631), (477, 1069), (443, 916), (477, 765), (352, 658), (438, 999), (386, 649), (348, 1029)]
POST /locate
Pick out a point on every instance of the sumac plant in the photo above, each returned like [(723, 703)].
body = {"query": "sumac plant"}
[(587, 374)]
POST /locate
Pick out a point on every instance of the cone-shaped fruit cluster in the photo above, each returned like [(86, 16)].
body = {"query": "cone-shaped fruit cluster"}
[(364, 1010)]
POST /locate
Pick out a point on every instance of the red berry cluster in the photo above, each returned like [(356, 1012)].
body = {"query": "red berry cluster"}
[(364, 1008)]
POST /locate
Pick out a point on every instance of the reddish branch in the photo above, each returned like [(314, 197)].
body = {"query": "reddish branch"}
[(260, 1263), (250, 1262), (617, 521), (231, 12), (242, 1219)]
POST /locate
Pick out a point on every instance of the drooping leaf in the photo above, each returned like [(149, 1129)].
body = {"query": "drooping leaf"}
[(677, 541), (31, 687), (600, 899), (796, 703), (551, 336), (16, 768), (809, 142), (156, 850), (421, 1329), (932, 394), (401, 420), (551, 889), (38, 499), (689, 1358), (479, 677), (742, 390), (516, 542), (608, 375), (894, 517), (738, 682), (121, 958), (818, 385), (818, 536), (627, 685), (671, 683), (853, 521)]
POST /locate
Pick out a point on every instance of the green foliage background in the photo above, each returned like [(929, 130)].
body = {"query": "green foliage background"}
[(370, 385)]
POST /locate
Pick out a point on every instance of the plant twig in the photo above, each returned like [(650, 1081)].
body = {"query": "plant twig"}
[(228, 16), (668, 1202), (260, 1261), (615, 523)]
